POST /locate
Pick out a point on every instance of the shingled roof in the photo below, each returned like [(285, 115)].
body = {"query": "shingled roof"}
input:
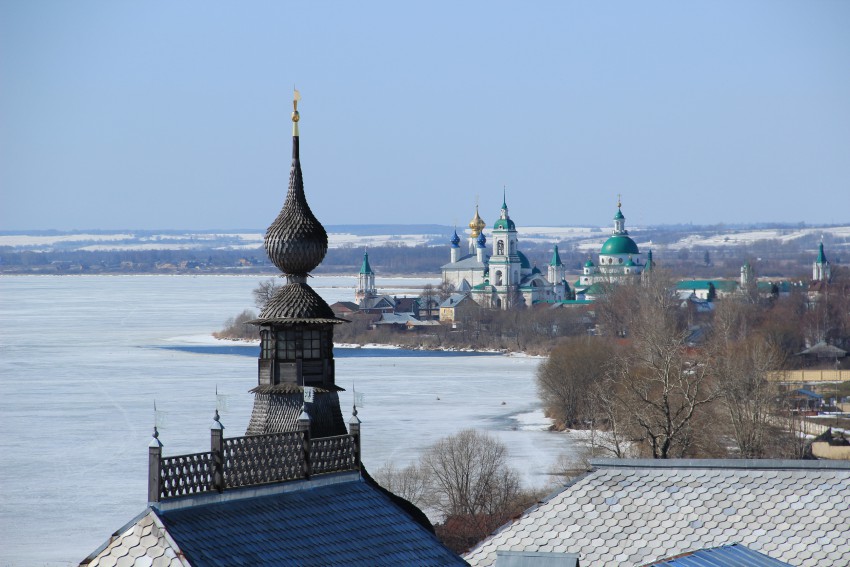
[(632, 512), (334, 520), (296, 303)]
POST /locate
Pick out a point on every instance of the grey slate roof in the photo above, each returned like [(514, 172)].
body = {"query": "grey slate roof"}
[(142, 542), (341, 521), (632, 512), (396, 319), (824, 350), (377, 302), (734, 555), (465, 263), (454, 300), (296, 303)]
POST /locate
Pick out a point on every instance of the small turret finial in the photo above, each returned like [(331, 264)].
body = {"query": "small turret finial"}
[(619, 200)]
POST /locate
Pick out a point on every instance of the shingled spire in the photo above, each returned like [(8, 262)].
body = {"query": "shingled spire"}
[(296, 325), (296, 241)]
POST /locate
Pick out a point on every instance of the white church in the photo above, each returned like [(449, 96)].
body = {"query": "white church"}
[(502, 277)]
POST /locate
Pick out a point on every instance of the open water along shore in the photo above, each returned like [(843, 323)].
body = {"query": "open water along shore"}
[(84, 358)]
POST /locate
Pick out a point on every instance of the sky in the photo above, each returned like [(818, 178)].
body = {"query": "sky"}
[(158, 115)]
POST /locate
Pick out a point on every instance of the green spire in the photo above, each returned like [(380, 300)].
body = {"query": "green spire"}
[(365, 268), (649, 263), (821, 256), (504, 197), (556, 258)]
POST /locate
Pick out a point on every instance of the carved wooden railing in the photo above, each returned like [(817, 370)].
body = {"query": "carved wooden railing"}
[(185, 474), (250, 461), (331, 454), (260, 459)]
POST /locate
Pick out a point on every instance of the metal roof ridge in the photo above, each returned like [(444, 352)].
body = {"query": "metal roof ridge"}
[(752, 464)]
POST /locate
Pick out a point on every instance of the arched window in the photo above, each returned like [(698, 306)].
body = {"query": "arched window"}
[(499, 276), (513, 247), (500, 247), (620, 260)]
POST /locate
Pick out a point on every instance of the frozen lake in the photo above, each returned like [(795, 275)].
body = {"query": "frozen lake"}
[(83, 358)]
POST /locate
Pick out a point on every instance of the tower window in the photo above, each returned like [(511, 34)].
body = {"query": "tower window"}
[(312, 344), (286, 345), (266, 344), (500, 247)]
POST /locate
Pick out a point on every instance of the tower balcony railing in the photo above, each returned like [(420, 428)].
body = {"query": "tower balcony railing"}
[(252, 460)]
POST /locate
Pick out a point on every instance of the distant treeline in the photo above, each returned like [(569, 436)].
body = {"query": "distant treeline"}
[(771, 258)]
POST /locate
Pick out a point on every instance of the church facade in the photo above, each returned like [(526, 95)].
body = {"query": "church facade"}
[(501, 277), (618, 260)]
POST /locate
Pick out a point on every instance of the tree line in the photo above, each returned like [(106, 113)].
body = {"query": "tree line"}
[(662, 381)]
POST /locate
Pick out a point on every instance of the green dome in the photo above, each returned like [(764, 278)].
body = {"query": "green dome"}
[(589, 263), (619, 244), (619, 215), (504, 224)]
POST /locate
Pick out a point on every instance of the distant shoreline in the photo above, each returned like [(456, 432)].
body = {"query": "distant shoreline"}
[(427, 275)]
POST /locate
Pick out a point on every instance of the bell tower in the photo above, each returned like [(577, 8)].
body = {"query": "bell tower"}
[(296, 325), (365, 281)]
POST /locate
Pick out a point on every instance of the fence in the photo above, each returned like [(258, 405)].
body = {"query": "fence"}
[(250, 461), (809, 376)]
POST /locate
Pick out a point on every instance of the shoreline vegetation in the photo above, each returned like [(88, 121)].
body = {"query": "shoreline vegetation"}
[(602, 370), (527, 333)]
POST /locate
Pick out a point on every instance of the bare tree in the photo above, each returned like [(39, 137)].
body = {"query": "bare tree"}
[(472, 487), (239, 328), (742, 360), (661, 382), (264, 292), (445, 290), (409, 482), (610, 424), (429, 300), (469, 474), (566, 379)]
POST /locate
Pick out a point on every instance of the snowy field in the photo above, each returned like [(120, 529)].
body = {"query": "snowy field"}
[(83, 358), (584, 238)]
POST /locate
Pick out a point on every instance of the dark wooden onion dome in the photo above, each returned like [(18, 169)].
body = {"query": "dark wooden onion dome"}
[(296, 325)]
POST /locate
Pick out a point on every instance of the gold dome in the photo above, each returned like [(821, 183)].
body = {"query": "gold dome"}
[(477, 224)]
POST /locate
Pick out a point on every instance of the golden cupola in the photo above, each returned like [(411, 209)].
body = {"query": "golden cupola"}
[(477, 224)]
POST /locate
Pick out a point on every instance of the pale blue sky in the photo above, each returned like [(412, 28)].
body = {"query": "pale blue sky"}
[(158, 114)]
